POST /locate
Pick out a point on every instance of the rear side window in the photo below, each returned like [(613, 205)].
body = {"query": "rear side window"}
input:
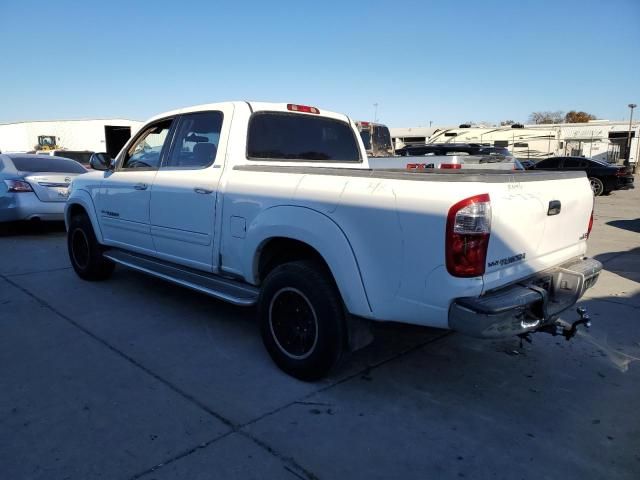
[(80, 157), (196, 142), (571, 163), (41, 163), (549, 163), (284, 136)]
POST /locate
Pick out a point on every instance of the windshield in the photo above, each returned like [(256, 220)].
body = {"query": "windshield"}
[(47, 164)]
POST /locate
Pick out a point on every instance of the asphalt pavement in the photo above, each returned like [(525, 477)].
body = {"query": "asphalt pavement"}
[(137, 378)]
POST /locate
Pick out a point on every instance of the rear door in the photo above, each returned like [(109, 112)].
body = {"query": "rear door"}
[(123, 202), (185, 189)]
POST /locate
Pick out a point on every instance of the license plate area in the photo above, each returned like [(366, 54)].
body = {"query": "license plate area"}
[(563, 288)]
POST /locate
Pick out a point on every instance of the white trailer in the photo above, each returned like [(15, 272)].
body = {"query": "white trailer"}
[(602, 139)]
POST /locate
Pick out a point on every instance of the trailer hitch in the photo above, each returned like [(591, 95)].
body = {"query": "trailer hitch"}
[(562, 328)]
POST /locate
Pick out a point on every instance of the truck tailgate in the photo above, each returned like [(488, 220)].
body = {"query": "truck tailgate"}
[(536, 225)]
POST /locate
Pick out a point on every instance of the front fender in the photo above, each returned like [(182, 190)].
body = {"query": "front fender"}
[(318, 231), (83, 199)]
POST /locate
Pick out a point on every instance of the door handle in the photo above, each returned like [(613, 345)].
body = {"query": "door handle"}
[(203, 191), (140, 186)]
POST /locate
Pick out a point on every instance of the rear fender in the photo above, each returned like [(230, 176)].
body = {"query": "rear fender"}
[(318, 231)]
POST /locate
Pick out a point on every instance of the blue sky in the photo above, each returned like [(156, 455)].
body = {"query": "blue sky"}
[(440, 61)]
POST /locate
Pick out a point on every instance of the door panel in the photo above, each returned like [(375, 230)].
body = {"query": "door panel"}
[(123, 202), (184, 193), (124, 209)]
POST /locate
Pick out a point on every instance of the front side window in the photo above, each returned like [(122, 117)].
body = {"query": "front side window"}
[(196, 141), (145, 152), (284, 136)]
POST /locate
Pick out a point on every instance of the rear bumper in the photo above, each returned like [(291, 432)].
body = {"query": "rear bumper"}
[(525, 306), (27, 206), (625, 183)]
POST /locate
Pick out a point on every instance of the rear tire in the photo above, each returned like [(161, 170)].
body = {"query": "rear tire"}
[(597, 186), (85, 253), (302, 319)]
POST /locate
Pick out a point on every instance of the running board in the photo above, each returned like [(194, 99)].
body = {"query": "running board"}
[(213, 285)]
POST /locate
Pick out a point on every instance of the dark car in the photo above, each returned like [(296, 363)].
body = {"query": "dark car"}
[(449, 148), (604, 177), (527, 164)]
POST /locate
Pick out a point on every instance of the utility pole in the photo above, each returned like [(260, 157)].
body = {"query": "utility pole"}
[(631, 107), (375, 113)]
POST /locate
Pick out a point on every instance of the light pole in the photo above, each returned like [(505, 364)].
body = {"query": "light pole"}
[(631, 107), (375, 112)]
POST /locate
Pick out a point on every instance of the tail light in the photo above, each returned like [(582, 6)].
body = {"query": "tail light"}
[(621, 172), (454, 166), (302, 108), (467, 236), (590, 227), (18, 186)]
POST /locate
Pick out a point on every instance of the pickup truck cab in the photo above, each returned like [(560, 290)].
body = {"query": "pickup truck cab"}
[(276, 205)]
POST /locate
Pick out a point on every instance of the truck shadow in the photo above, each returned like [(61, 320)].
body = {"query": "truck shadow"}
[(14, 229), (626, 264), (631, 225)]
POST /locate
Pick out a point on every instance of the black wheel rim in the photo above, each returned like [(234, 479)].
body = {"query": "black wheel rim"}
[(293, 323), (80, 248)]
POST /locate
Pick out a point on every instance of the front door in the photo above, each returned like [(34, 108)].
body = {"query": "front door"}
[(183, 197), (123, 202)]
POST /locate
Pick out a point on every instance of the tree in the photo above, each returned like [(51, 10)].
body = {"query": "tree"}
[(546, 117), (506, 123), (578, 117)]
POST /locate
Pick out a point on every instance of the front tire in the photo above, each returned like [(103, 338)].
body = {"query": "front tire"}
[(597, 186), (85, 253), (302, 319)]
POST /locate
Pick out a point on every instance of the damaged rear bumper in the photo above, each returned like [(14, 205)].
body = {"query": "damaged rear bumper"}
[(526, 306)]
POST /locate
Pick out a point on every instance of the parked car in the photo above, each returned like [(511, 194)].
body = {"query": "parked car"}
[(35, 187), (603, 176), (276, 205), (527, 164), (416, 150), (80, 156)]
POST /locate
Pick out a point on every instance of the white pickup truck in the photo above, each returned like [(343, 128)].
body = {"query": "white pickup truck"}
[(275, 205)]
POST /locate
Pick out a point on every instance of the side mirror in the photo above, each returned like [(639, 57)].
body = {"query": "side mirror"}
[(101, 161)]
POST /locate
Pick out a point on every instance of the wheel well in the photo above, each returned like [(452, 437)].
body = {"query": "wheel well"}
[(279, 250), (76, 209)]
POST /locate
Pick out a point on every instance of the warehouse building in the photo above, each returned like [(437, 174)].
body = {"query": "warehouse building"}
[(107, 135)]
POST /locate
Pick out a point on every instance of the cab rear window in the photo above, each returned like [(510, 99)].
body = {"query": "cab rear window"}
[(285, 136)]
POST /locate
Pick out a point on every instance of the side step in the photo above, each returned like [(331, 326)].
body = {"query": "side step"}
[(213, 285)]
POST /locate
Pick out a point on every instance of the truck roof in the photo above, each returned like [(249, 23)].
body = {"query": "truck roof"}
[(254, 106)]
